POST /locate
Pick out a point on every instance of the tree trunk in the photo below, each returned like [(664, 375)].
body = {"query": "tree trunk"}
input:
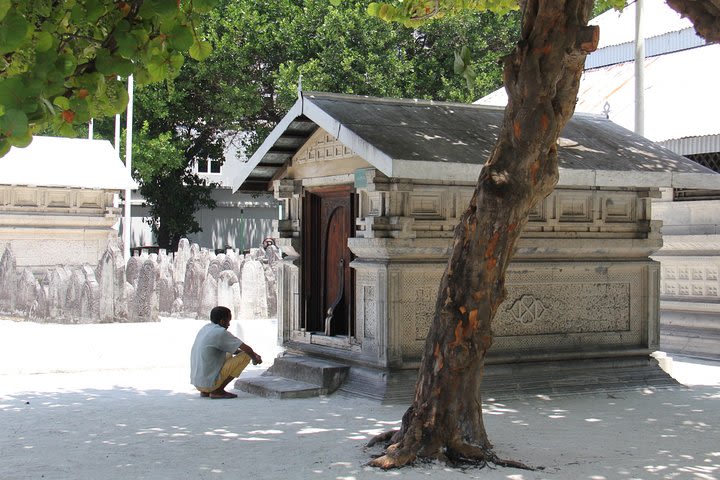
[(704, 14), (541, 77)]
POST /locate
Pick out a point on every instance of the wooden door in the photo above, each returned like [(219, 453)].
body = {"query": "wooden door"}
[(327, 276)]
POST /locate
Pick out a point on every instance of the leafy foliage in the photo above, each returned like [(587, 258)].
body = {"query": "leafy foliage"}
[(262, 48), (60, 61), (171, 190)]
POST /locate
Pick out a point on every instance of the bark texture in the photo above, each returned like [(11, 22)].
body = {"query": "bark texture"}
[(542, 77), (704, 14)]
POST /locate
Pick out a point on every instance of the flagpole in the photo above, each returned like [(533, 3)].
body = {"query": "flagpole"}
[(128, 167)]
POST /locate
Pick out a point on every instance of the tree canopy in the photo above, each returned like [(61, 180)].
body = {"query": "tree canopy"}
[(60, 61)]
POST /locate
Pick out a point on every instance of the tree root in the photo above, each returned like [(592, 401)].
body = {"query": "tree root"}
[(385, 437), (394, 458), (458, 455), (465, 453)]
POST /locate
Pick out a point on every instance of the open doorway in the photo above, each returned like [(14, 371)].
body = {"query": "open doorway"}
[(328, 282)]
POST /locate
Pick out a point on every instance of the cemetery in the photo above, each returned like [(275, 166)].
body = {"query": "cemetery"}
[(187, 283)]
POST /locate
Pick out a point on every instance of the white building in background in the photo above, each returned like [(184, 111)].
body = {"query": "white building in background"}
[(240, 220), (681, 108), (57, 201)]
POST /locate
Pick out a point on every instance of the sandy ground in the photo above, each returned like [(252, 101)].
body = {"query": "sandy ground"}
[(113, 402)]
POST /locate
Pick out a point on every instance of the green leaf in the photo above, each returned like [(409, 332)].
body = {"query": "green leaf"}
[(108, 64), (14, 30), (21, 141), (157, 70), (14, 123), (62, 102), (181, 37), (176, 62), (127, 44), (335, 3), (66, 64), (11, 90), (465, 54), (373, 9), (43, 41), (200, 50), (4, 7), (458, 64), (162, 8), (95, 10), (4, 146), (203, 6)]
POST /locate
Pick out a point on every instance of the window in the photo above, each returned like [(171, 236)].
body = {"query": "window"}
[(208, 166), (710, 160)]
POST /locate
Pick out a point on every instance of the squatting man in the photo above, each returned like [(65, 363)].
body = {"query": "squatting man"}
[(218, 356)]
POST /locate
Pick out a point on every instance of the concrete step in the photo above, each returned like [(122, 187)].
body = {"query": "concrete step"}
[(324, 373), (272, 386)]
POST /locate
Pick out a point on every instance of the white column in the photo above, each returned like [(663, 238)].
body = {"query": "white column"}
[(639, 69)]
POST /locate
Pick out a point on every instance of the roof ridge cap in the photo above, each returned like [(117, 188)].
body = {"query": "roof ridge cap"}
[(398, 100)]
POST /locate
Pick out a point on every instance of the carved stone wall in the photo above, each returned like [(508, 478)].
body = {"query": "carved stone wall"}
[(47, 226), (551, 308), (581, 283), (397, 208)]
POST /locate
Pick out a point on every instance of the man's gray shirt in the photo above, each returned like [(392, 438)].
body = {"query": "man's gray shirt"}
[(208, 354)]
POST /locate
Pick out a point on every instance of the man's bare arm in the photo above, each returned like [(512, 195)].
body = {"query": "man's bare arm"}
[(256, 359)]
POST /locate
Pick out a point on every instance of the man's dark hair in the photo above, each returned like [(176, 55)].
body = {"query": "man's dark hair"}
[(219, 314)]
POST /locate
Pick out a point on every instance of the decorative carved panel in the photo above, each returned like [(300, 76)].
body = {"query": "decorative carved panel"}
[(554, 308), (321, 146), (572, 306), (682, 278), (428, 205), (366, 286), (376, 204), (574, 207), (60, 198), (619, 208), (89, 199), (416, 298), (370, 310), (27, 197), (538, 213)]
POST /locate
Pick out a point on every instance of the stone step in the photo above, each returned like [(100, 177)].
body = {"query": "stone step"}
[(503, 381), (272, 386), (324, 373)]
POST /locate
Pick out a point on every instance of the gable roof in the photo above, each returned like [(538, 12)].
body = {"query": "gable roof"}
[(65, 162), (440, 140)]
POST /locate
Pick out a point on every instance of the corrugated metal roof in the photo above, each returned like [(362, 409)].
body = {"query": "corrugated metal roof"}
[(681, 97), (65, 162), (625, 52), (693, 145), (680, 86), (425, 139), (619, 27)]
